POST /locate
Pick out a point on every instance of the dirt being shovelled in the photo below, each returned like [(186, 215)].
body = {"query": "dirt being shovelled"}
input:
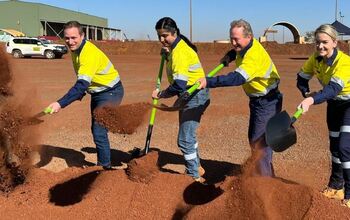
[(122, 119), (5, 76), (143, 169), (14, 132)]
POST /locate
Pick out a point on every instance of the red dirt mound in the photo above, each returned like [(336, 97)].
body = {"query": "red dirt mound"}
[(143, 169), (153, 47), (123, 119), (268, 198)]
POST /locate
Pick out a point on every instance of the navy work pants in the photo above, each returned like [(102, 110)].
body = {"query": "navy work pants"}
[(338, 121), (261, 110)]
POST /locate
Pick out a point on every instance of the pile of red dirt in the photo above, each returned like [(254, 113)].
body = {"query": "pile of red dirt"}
[(122, 119), (143, 169), (93, 193), (268, 198), (153, 47), (251, 196)]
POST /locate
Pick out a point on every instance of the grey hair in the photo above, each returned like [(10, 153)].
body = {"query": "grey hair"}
[(247, 29), (327, 29)]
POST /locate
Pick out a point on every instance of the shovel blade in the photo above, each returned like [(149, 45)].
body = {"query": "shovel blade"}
[(178, 105), (280, 134), (166, 108)]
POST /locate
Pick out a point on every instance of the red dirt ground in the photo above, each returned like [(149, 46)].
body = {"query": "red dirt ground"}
[(64, 184)]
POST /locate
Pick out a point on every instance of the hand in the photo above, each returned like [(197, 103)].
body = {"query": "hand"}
[(155, 94), (55, 106), (164, 51), (306, 103), (203, 83), (228, 58)]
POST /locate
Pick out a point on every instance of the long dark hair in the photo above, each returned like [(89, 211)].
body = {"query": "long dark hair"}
[(169, 24)]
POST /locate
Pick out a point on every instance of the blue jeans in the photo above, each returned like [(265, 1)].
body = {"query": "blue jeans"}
[(261, 110), (100, 134), (189, 119)]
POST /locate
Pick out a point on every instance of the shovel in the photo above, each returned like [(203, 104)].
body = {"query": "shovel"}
[(280, 133), (182, 100), (36, 118), (137, 152)]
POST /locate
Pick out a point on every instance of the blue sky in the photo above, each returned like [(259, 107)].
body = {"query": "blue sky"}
[(210, 18)]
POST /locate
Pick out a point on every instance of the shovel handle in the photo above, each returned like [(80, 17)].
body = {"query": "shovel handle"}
[(159, 80), (210, 74), (296, 115), (48, 110), (160, 73)]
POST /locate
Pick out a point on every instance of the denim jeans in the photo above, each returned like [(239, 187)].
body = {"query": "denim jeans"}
[(261, 110), (100, 134), (189, 119)]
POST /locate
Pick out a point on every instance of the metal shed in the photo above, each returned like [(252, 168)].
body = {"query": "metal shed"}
[(36, 19)]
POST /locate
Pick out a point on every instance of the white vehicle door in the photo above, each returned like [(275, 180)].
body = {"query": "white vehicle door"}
[(36, 47), (24, 46)]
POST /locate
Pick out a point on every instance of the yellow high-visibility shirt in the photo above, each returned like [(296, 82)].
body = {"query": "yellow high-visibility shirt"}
[(183, 63), (92, 65), (338, 71), (258, 70)]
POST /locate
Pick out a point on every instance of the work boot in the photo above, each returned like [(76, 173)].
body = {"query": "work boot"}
[(120, 167), (199, 179), (346, 203), (201, 171), (333, 193)]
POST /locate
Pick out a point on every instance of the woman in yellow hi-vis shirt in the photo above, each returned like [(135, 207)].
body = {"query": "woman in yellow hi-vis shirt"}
[(332, 69), (183, 70)]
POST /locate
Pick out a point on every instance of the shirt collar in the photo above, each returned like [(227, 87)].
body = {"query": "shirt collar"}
[(329, 61), (78, 51), (244, 51), (176, 41)]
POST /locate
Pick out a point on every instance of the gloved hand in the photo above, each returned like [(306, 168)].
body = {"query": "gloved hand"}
[(228, 58)]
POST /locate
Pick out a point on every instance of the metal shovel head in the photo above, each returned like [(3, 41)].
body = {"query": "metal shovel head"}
[(178, 105), (34, 120), (166, 108), (280, 134)]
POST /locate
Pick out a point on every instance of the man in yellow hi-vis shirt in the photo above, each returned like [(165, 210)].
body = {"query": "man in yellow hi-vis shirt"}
[(259, 78), (97, 76)]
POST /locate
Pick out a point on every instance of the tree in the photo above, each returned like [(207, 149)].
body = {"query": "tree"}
[(310, 36)]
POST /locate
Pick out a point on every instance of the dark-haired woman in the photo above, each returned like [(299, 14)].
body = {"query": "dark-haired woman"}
[(183, 70)]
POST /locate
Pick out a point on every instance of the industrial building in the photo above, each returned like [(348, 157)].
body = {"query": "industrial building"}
[(36, 19)]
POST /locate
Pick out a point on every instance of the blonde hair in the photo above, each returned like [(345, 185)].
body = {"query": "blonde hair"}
[(327, 29)]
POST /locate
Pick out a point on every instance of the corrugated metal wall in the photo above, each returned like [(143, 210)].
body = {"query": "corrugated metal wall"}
[(29, 18)]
